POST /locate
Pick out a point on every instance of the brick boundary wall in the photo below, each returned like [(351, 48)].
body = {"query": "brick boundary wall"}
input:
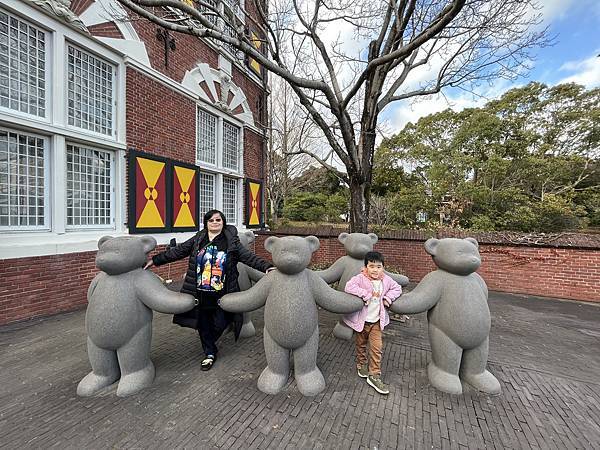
[(568, 267), (45, 285)]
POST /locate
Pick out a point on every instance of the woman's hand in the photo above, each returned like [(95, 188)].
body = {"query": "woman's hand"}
[(150, 263)]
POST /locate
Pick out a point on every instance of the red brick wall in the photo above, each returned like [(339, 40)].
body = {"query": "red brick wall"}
[(549, 272), (54, 284), (159, 120)]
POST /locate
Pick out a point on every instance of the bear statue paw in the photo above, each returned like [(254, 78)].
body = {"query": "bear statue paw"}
[(444, 381), (270, 382), (342, 331), (247, 330), (310, 383), (483, 382), (134, 382), (92, 384)]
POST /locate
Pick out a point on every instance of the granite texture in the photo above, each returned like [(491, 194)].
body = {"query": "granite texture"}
[(455, 298)]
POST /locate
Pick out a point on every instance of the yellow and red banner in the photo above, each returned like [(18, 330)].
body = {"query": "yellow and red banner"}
[(254, 201), (163, 194)]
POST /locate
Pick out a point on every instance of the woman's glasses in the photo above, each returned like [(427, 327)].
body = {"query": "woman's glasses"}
[(215, 220)]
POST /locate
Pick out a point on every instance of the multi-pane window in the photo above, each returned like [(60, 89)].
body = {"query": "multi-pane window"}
[(206, 147), (90, 92), (231, 145), (23, 176), (89, 186), (207, 192), (22, 66), (230, 199)]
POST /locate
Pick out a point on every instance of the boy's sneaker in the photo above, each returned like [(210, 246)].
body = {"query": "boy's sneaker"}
[(376, 383), (363, 371)]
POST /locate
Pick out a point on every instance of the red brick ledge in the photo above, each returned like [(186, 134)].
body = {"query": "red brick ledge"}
[(550, 240)]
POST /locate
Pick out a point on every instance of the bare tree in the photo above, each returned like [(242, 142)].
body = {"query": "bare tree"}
[(290, 132), (347, 60)]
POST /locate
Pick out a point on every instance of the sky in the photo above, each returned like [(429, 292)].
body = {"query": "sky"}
[(574, 57)]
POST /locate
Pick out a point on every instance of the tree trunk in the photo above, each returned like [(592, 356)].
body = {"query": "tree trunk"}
[(359, 211)]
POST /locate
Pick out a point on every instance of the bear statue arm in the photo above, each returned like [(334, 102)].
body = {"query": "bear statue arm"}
[(248, 300), (422, 298), (93, 285), (157, 297), (333, 273), (484, 287), (253, 274), (402, 280), (330, 299)]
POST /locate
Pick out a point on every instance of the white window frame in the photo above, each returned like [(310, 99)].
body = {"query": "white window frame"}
[(218, 169), (76, 46), (47, 184), (49, 51), (111, 223), (58, 238)]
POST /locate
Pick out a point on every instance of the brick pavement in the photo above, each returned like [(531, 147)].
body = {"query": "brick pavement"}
[(544, 352)]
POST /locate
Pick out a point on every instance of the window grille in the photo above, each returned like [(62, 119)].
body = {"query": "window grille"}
[(207, 137), (231, 146), (230, 199), (23, 178), (22, 66), (89, 186), (207, 192), (90, 92)]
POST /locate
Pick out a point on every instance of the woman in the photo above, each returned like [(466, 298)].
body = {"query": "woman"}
[(212, 272)]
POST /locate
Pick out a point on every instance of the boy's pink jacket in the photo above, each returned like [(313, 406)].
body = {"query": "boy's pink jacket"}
[(360, 285)]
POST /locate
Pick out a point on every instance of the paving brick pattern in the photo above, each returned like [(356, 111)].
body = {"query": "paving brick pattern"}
[(550, 392)]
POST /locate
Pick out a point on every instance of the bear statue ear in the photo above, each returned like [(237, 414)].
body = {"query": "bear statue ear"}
[(342, 237), (149, 243), (313, 243), (270, 243), (103, 239), (431, 246), (250, 235), (373, 237), (473, 241)]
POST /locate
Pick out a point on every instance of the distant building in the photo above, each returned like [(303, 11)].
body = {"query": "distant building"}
[(80, 93)]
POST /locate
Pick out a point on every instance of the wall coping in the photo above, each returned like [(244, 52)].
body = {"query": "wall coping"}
[(508, 238)]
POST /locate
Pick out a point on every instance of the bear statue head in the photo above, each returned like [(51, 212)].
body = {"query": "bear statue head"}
[(246, 238), (357, 245), (291, 254), (123, 254), (457, 256)]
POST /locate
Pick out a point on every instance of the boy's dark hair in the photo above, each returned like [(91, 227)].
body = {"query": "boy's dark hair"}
[(374, 257), (211, 213)]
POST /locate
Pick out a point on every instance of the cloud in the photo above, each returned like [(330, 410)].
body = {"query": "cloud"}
[(586, 72), (555, 9)]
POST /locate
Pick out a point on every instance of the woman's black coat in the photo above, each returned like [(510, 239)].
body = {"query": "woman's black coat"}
[(236, 252)]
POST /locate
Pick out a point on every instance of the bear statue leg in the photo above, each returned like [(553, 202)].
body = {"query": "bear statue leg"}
[(342, 331), (309, 378), (274, 377), (137, 370), (247, 327), (445, 362), (105, 370), (473, 372)]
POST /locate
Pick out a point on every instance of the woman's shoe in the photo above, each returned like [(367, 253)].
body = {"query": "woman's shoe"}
[(207, 362)]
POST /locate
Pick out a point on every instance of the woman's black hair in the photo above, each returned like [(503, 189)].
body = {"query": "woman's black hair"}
[(375, 257), (211, 213)]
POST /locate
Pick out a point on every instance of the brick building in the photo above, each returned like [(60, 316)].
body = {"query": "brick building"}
[(79, 91)]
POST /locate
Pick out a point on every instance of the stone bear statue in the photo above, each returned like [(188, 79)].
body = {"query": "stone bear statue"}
[(119, 316), (247, 276), (357, 245), (291, 295), (455, 298)]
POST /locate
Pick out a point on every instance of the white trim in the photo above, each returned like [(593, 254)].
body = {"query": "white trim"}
[(58, 184), (41, 244)]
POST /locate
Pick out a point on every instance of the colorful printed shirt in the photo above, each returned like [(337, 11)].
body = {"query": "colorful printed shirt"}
[(210, 269)]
